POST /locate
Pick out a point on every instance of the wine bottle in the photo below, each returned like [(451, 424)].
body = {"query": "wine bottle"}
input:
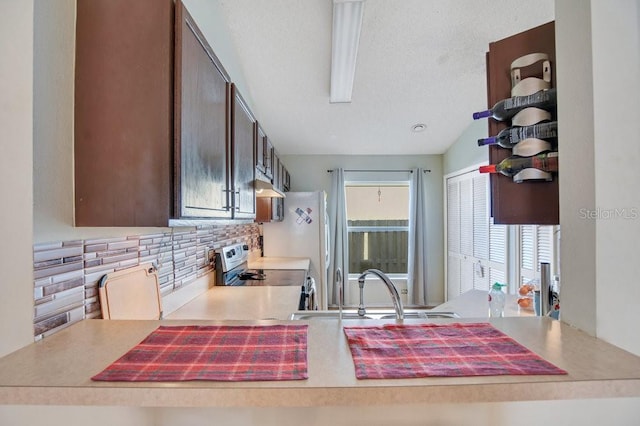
[(507, 108), (545, 161), (510, 136)]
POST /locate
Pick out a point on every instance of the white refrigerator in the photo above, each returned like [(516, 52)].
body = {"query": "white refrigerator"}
[(304, 232)]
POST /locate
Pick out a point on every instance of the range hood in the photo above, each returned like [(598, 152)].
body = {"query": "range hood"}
[(265, 189)]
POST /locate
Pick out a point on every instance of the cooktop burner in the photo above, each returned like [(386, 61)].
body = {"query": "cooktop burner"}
[(263, 277), (252, 275), (232, 270)]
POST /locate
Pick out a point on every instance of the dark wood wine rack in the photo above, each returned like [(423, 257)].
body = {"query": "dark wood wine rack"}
[(530, 202)]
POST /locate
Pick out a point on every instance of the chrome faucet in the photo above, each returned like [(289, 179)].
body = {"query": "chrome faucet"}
[(395, 297), (340, 290)]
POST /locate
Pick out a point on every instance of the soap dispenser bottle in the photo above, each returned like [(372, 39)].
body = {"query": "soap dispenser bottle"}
[(496, 301)]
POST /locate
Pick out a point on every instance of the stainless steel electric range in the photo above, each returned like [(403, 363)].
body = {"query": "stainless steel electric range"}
[(232, 270)]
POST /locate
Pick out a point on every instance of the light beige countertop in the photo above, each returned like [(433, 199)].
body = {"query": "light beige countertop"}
[(241, 303), (475, 304), (299, 263), (57, 370)]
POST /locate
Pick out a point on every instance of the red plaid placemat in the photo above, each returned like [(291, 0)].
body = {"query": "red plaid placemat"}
[(406, 351), (221, 353)]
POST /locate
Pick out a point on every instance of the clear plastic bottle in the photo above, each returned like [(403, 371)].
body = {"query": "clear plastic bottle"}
[(496, 301)]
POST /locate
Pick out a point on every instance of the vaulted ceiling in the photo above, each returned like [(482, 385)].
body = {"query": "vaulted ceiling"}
[(419, 61)]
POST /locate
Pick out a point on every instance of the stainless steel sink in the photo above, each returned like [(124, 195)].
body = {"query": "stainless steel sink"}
[(372, 314)]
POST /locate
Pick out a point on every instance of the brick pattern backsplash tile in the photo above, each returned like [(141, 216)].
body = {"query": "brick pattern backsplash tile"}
[(58, 290), (184, 257), (67, 273), (205, 243), (157, 249), (102, 256)]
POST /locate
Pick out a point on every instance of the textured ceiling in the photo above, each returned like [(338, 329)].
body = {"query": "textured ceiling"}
[(419, 61)]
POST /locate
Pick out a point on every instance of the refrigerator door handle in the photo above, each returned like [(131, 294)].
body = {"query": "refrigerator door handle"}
[(340, 287)]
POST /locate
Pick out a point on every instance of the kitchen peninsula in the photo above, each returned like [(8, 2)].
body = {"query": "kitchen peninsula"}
[(595, 369)]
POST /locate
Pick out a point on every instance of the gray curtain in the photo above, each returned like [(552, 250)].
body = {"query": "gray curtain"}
[(337, 207), (417, 274)]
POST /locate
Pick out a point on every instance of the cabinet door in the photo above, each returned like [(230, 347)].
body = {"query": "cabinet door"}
[(286, 179), (123, 147), (201, 126), (260, 151), (268, 158), (263, 209), (243, 157), (275, 161), (277, 209), (527, 202)]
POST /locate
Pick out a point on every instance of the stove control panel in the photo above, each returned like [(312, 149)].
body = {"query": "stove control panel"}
[(232, 256)]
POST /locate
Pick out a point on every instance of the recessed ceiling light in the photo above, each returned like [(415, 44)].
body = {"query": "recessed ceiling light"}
[(420, 127)]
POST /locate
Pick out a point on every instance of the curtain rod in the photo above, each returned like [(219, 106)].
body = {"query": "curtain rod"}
[(371, 170)]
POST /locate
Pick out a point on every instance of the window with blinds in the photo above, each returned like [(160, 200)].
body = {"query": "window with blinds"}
[(378, 226), (476, 248), (537, 244)]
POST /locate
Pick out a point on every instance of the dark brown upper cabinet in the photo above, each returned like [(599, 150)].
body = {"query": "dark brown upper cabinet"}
[(202, 126), (268, 158), (123, 147), (160, 133), (271, 209), (277, 169), (243, 156), (286, 179), (533, 202), (261, 157)]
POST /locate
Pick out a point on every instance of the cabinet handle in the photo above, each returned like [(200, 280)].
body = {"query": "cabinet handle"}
[(225, 194)]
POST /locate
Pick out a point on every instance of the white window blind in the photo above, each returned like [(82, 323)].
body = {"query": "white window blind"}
[(536, 245), (527, 244), (498, 247), (497, 253), (545, 244)]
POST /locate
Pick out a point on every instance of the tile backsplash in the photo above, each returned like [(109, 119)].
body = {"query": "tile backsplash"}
[(66, 273)]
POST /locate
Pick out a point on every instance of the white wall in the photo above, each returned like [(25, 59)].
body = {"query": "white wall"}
[(309, 173), (465, 152), (598, 49), (53, 57), (576, 150), (16, 165), (616, 83)]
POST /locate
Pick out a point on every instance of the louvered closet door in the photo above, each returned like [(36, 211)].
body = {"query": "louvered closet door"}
[(489, 240), (467, 259), (480, 233), (476, 249), (497, 253), (453, 238)]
